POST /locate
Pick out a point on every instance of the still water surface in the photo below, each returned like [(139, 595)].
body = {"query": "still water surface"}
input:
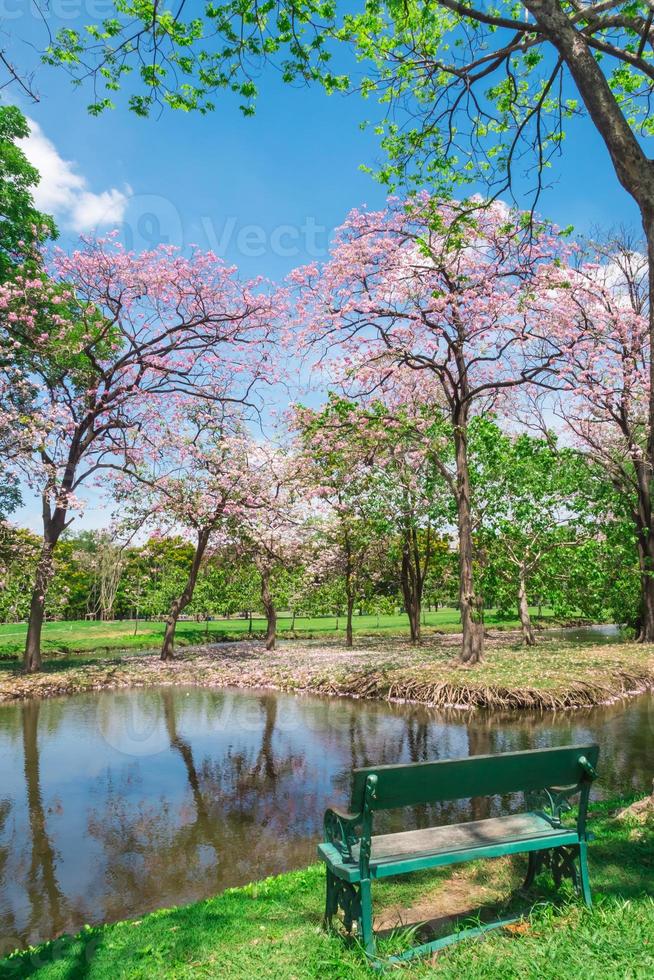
[(117, 803)]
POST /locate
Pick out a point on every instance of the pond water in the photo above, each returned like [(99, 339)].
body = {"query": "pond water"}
[(582, 635), (117, 803)]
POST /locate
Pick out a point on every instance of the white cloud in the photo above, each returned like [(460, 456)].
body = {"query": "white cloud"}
[(65, 193)]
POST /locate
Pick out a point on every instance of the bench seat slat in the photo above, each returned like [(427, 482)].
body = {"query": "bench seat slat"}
[(349, 871), (456, 837)]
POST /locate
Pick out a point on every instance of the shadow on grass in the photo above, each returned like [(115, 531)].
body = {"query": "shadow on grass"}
[(78, 954), (52, 665)]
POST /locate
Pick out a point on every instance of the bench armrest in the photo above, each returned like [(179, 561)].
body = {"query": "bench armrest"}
[(340, 830), (589, 769)]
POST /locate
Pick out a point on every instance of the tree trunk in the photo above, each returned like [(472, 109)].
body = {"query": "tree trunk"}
[(46, 899), (528, 635), (645, 622), (472, 644), (349, 633), (349, 593), (269, 608), (636, 174), (32, 658), (180, 604), (411, 602), (53, 526), (412, 577)]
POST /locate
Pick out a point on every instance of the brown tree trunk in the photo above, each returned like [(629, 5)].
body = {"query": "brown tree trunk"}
[(645, 541), (636, 174), (53, 526), (528, 635), (411, 600), (269, 609), (472, 644), (645, 631), (349, 594), (32, 661), (412, 576), (349, 632), (180, 604)]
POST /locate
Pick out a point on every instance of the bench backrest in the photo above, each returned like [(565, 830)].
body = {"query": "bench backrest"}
[(477, 775)]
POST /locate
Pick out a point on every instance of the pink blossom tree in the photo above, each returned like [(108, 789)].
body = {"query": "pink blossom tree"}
[(107, 343), (424, 288), (603, 386), (374, 470), (276, 532), (194, 482)]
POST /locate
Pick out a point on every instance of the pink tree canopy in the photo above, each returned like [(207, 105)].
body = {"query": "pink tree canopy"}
[(601, 388), (109, 342), (464, 298)]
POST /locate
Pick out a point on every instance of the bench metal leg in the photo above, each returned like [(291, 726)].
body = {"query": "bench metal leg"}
[(331, 899), (344, 895), (535, 865), (585, 878), (365, 920)]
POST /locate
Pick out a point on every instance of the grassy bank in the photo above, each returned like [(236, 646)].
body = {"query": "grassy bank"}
[(555, 674), (272, 929), (96, 637)]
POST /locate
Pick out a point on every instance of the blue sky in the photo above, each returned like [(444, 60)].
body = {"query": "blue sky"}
[(264, 192)]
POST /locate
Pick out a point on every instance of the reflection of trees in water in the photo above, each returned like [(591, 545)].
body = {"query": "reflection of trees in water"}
[(8, 925), (265, 763), (228, 830), (624, 732), (47, 903)]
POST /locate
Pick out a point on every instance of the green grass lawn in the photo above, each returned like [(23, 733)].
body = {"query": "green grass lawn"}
[(90, 636), (273, 929)]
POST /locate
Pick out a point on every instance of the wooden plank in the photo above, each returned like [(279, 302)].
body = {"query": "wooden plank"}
[(477, 833), (422, 862), (482, 775)]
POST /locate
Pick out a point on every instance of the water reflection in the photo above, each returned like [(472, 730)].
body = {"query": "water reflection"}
[(118, 803), (47, 903)]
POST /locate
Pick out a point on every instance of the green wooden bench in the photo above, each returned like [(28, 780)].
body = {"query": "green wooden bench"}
[(549, 780)]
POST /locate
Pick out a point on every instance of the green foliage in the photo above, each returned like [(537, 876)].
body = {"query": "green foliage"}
[(22, 226), (182, 60), (19, 550), (461, 98), (537, 505), (10, 495)]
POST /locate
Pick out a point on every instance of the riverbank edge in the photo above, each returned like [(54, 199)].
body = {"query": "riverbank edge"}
[(145, 643), (615, 822), (246, 665)]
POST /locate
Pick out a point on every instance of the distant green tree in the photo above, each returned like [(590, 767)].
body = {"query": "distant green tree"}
[(22, 225), (531, 498), (18, 557)]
